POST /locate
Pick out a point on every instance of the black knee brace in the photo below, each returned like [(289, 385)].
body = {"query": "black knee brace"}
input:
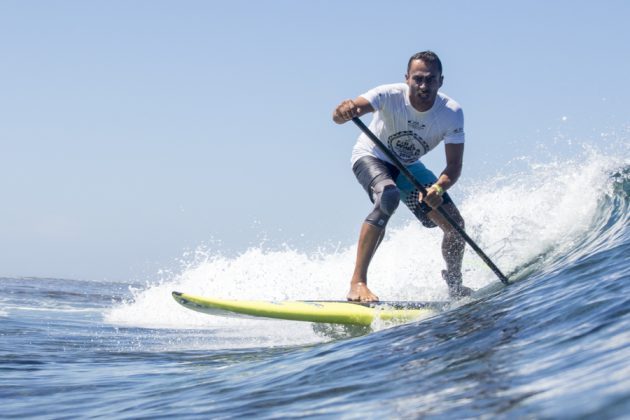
[(386, 198)]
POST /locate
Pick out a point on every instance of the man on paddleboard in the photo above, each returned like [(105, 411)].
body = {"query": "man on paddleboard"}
[(411, 118)]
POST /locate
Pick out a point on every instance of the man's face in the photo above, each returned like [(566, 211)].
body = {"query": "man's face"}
[(424, 81)]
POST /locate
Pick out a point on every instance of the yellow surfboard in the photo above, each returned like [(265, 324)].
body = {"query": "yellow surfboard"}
[(332, 312)]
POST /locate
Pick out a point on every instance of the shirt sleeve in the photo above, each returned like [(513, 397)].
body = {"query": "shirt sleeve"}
[(455, 130), (377, 97)]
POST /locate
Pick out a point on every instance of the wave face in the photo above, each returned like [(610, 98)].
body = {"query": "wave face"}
[(555, 343)]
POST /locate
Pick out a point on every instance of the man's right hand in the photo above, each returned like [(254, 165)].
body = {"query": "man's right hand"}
[(350, 109)]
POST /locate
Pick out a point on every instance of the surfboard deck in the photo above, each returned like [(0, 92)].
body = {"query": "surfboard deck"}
[(319, 311)]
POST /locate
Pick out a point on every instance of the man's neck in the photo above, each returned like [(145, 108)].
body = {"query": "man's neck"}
[(421, 106)]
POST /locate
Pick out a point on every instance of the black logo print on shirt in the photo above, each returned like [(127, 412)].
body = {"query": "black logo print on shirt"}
[(416, 125), (407, 146)]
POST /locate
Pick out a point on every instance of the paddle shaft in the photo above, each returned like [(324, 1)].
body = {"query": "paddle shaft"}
[(423, 190)]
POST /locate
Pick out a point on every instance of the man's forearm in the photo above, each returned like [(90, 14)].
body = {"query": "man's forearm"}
[(449, 176)]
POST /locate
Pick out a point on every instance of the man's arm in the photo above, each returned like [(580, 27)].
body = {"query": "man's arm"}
[(454, 163), (448, 177), (350, 109)]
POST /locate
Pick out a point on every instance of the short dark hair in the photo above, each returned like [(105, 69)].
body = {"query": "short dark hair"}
[(429, 57)]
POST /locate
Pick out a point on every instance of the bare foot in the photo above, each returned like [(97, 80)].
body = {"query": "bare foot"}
[(456, 290), (359, 292)]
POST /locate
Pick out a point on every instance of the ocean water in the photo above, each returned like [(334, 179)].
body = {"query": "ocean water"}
[(554, 344)]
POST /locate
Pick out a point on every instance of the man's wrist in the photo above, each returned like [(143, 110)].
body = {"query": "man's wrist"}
[(438, 189)]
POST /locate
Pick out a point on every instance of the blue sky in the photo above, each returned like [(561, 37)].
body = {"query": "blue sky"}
[(133, 131)]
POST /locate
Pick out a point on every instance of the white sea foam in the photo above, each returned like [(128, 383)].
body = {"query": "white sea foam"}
[(543, 210), (540, 210)]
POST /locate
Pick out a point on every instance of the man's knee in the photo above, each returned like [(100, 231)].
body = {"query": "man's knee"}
[(390, 198), (459, 221), (438, 219), (386, 200)]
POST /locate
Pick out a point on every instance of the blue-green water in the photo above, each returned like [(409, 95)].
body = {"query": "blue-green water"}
[(555, 344)]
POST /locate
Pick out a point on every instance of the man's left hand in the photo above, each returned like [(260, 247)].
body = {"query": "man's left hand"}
[(433, 198)]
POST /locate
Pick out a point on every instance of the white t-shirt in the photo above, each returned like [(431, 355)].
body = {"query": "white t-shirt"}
[(408, 133)]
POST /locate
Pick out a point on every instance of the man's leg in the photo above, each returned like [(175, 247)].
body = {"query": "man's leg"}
[(369, 240), (453, 246), (377, 178), (386, 199)]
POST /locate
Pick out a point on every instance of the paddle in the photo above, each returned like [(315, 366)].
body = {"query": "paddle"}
[(423, 190)]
